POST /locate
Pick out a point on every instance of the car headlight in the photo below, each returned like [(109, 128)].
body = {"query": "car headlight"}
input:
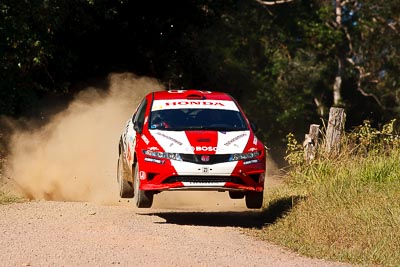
[(162, 155), (244, 156)]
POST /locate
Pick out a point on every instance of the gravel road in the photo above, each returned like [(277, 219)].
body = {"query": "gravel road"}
[(205, 231), (49, 233)]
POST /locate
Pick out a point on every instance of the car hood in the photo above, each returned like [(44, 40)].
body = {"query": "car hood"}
[(204, 141)]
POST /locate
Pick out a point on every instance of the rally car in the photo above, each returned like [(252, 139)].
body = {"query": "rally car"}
[(190, 140)]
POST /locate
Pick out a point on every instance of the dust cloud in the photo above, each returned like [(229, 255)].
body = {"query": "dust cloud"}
[(215, 201), (73, 157)]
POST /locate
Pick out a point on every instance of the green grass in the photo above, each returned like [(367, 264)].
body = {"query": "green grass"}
[(346, 209), (5, 197), (8, 199)]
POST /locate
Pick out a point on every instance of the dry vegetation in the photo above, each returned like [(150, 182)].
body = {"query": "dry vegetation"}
[(346, 208), (5, 195)]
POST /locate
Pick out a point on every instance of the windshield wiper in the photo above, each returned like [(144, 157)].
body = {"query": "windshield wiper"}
[(202, 127), (216, 128)]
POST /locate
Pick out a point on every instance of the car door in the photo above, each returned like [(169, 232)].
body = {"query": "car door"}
[(134, 129)]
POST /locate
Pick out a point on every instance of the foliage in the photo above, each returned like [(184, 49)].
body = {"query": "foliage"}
[(44, 47), (6, 198), (368, 138), (376, 51), (294, 151), (279, 61), (349, 206)]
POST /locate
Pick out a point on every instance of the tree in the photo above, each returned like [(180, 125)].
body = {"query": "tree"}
[(374, 53), (356, 42), (286, 61), (45, 46)]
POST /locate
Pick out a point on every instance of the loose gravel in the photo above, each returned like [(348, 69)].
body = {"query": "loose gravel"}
[(45, 233)]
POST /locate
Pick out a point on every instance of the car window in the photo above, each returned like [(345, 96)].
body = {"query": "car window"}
[(138, 120), (197, 118)]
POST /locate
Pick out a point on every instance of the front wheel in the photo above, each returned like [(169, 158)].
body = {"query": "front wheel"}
[(254, 200), (236, 195), (143, 199), (125, 188)]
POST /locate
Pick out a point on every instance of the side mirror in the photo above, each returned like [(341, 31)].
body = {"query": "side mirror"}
[(254, 126), (137, 127), (133, 117)]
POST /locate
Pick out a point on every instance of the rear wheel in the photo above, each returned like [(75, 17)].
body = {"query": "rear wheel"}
[(236, 195), (254, 200), (125, 188), (143, 199)]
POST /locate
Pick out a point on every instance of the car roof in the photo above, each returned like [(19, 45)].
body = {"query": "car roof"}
[(191, 94)]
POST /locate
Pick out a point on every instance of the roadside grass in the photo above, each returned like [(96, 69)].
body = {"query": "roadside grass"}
[(5, 196), (344, 208)]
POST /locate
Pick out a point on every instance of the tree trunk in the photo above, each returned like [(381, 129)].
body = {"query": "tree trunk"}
[(337, 119), (311, 143), (337, 85)]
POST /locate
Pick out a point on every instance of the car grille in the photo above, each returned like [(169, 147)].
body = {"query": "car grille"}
[(213, 159), (198, 179)]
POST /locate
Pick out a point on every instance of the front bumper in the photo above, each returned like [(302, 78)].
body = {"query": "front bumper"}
[(177, 175)]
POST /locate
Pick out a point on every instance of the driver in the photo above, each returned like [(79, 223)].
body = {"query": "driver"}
[(160, 121)]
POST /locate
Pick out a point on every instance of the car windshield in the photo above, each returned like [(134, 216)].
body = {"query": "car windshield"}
[(197, 119)]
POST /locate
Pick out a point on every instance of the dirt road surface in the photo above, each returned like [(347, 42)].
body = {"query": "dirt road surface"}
[(72, 158), (50, 233)]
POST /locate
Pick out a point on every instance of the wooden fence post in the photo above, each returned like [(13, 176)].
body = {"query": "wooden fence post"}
[(311, 143), (337, 119)]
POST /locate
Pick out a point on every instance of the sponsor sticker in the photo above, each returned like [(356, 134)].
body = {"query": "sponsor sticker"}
[(145, 139), (200, 184), (129, 155), (195, 103), (182, 103), (235, 139), (170, 138), (206, 149), (159, 161), (182, 91), (250, 162)]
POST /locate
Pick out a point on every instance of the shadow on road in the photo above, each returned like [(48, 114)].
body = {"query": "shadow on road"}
[(243, 219)]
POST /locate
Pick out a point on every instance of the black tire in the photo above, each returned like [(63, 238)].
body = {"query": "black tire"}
[(143, 199), (125, 188), (236, 194), (254, 200)]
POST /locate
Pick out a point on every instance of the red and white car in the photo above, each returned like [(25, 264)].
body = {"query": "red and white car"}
[(190, 140)]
